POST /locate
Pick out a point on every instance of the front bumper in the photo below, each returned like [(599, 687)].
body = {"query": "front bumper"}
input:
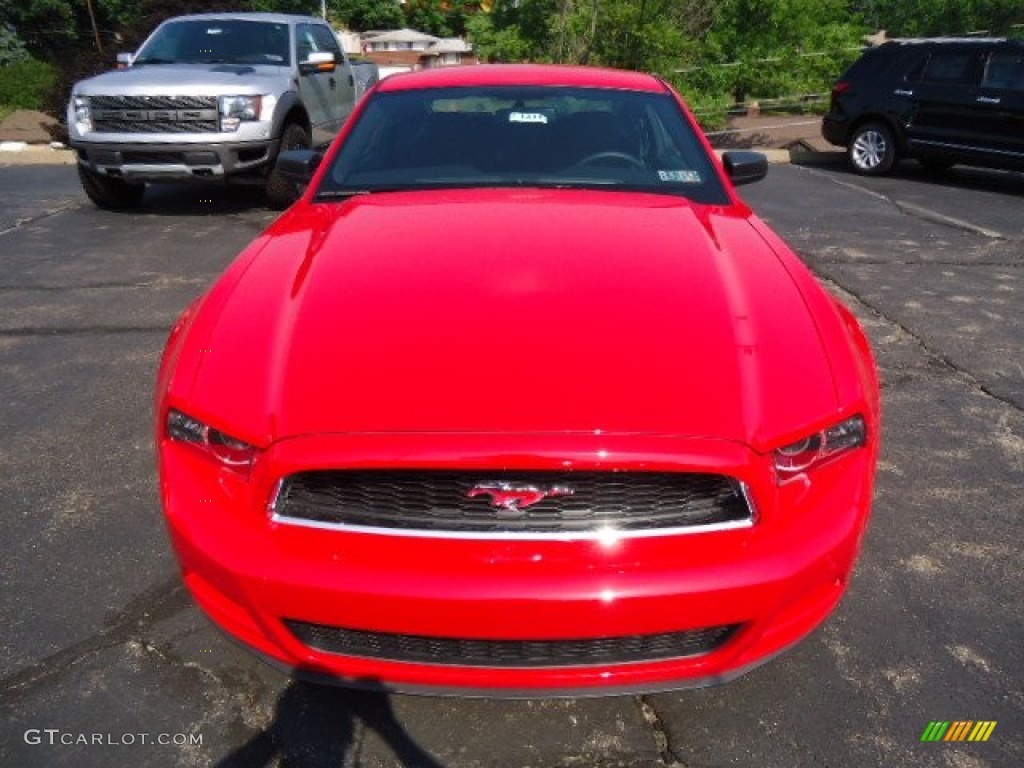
[(155, 162), (775, 581)]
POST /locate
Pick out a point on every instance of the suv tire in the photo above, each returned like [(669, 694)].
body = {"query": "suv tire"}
[(109, 193), (282, 192), (872, 149)]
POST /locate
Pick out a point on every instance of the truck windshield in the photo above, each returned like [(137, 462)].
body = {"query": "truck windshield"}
[(533, 136), (219, 41)]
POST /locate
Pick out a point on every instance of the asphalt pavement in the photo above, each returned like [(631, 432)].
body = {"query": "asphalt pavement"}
[(104, 657)]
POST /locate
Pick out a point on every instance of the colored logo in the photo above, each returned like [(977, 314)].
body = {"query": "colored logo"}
[(513, 498), (958, 730)]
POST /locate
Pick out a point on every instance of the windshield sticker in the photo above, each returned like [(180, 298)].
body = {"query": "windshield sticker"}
[(683, 177), (527, 117)]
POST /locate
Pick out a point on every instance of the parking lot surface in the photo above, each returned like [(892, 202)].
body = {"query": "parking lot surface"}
[(105, 660)]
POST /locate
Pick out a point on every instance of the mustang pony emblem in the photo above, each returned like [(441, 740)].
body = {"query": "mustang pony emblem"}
[(514, 497)]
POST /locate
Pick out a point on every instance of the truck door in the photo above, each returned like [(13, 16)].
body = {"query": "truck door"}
[(328, 96)]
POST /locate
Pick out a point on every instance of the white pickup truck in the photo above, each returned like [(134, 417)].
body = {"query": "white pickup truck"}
[(212, 97)]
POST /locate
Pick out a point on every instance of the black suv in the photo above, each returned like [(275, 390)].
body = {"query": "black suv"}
[(942, 101)]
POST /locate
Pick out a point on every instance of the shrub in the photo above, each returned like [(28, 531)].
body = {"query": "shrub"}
[(25, 84)]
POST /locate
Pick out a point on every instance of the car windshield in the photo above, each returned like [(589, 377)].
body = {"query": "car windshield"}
[(537, 136), (220, 41)]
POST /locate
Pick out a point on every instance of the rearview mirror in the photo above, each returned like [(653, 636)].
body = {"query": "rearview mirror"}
[(124, 60)]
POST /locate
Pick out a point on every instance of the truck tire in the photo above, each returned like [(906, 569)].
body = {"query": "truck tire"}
[(282, 192), (109, 193)]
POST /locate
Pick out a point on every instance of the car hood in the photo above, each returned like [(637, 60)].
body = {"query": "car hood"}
[(514, 311), (192, 79)]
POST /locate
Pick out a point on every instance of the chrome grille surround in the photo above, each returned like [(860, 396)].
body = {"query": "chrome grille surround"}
[(441, 503)]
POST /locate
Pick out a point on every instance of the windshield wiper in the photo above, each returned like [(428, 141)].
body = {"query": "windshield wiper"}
[(153, 61), (345, 194)]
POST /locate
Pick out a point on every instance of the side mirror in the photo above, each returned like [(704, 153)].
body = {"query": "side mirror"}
[(744, 167), (124, 60), (299, 165), (320, 61)]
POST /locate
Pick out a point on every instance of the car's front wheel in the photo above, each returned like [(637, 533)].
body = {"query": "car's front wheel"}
[(110, 193), (872, 149)]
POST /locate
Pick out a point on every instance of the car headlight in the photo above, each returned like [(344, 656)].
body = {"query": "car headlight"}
[(82, 113), (230, 452), (803, 455), (235, 110)]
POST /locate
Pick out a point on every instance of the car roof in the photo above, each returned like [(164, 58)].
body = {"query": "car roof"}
[(523, 74), (277, 18), (948, 41)]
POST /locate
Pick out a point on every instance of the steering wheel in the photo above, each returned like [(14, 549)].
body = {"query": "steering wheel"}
[(612, 155)]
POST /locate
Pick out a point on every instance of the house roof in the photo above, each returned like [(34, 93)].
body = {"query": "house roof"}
[(449, 45), (399, 36)]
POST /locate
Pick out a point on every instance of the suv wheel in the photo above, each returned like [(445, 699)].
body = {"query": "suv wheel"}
[(282, 192), (872, 149), (106, 192)]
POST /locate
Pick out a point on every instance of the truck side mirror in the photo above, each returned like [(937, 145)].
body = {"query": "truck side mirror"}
[(124, 60), (319, 61)]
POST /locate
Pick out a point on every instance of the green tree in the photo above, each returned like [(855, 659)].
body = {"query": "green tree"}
[(47, 27), (363, 15), (493, 44), (908, 18), (770, 48), (12, 49)]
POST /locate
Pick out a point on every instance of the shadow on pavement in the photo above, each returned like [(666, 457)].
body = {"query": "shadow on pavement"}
[(196, 199), (957, 177), (315, 726)]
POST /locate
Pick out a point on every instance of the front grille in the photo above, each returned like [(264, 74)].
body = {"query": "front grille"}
[(465, 652), (153, 102), (155, 114), (460, 502)]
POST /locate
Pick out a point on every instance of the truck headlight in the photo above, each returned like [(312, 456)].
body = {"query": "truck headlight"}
[(82, 113), (235, 110)]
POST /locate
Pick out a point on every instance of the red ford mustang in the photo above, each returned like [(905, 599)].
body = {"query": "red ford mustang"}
[(519, 398)]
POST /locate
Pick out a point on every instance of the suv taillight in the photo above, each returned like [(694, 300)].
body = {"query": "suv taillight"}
[(840, 88)]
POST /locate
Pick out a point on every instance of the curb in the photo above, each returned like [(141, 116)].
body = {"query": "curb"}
[(20, 153), (797, 156)]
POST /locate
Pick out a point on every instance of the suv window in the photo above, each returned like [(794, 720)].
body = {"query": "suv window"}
[(951, 68), (1005, 70), (871, 63)]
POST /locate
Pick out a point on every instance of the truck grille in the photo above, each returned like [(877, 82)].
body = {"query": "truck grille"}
[(155, 114), (463, 652), (514, 502)]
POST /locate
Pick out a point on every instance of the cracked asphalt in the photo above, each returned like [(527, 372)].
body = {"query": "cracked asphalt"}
[(101, 643)]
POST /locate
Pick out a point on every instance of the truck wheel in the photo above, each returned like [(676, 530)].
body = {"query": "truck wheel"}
[(872, 149), (109, 193), (282, 192)]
